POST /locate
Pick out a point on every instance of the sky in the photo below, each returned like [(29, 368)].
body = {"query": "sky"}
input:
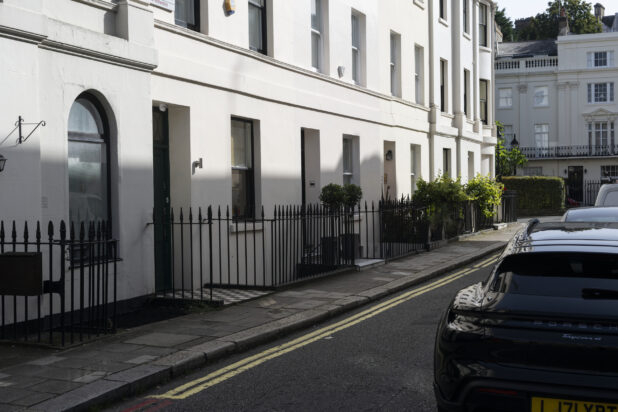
[(516, 9)]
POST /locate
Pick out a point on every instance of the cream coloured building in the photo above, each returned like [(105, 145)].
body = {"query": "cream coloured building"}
[(191, 103)]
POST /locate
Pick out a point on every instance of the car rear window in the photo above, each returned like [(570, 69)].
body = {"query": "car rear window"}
[(611, 199), (557, 274)]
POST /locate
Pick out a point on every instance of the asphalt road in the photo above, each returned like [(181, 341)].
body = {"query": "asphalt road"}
[(371, 359)]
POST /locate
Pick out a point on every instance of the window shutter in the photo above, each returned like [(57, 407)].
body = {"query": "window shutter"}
[(589, 93), (590, 59)]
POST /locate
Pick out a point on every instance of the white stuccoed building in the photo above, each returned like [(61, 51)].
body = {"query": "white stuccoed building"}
[(556, 100), (186, 103)]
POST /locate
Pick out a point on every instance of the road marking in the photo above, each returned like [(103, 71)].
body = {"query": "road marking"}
[(223, 374)]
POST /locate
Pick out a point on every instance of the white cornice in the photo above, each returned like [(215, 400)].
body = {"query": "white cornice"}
[(101, 4)]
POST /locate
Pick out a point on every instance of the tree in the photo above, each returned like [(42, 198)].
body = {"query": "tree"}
[(507, 160), (506, 25), (545, 25)]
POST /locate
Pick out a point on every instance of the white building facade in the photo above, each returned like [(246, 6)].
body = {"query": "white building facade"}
[(246, 104), (556, 100)]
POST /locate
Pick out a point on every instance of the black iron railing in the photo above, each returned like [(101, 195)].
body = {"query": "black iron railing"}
[(591, 190), (509, 206), (569, 151), (70, 290)]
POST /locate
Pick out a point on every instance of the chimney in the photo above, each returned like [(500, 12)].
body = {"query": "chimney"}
[(563, 23), (599, 11)]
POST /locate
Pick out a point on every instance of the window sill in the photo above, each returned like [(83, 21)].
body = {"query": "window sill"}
[(505, 107), (467, 35), (484, 49), (442, 21), (420, 4), (246, 226), (540, 106)]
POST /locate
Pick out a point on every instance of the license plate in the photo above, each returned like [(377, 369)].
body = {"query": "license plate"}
[(567, 405)]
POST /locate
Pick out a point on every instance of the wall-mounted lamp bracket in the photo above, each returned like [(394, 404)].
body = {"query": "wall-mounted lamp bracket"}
[(197, 164), (19, 126)]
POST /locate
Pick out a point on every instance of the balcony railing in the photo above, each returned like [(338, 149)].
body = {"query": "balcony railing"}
[(527, 65), (569, 151)]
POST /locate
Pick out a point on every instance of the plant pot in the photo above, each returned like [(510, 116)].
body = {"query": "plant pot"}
[(349, 246), (329, 249)]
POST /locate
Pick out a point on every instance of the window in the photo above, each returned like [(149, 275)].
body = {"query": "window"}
[(541, 136), (505, 98), (508, 134), (351, 160), (601, 136), (471, 165), (541, 96), (600, 92), (466, 96), (483, 99), (601, 59), (418, 74), (187, 14), (533, 171), (257, 25), (243, 183), (358, 38), (446, 162), (443, 85), (466, 22), (395, 66), (609, 171), (442, 9), (415, 159), (482, 25), (316, 34), (88, 162)]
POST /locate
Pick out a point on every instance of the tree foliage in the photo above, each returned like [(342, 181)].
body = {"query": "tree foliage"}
[(545, 25), (486, 191), (507, 160), (505, 24)]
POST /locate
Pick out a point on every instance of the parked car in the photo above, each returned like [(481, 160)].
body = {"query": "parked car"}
[(541, 333), (591, 214), (608, 195)]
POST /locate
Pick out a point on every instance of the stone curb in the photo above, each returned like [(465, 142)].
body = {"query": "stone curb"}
[(140, 378)]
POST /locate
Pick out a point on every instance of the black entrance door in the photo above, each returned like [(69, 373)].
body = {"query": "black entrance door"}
[(575, 183), (162, 228)]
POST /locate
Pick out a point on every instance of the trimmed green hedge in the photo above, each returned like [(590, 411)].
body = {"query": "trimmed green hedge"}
[(537, 195)]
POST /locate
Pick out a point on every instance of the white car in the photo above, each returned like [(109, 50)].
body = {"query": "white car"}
[(608, 195)]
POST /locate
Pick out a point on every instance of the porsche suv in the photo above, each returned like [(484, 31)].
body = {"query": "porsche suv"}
[(541, 334)]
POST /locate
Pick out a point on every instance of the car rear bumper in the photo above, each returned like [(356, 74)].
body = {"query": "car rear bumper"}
[(483, 395)]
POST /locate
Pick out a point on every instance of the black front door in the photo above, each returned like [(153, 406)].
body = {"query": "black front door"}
[(575, 183), (162, 227)]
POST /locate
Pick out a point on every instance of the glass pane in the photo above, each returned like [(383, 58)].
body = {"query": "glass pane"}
[(241, 144), (355, 32), (355, 66), (85, 118), (347, 156), (180, 12), (239, 193), (316, 14), (255, 28), (315, 50), (88, 189)]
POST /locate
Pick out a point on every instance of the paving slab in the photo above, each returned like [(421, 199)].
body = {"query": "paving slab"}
[(118, 365)]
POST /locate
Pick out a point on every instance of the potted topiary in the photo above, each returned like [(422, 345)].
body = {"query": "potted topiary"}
[(352, 195), (332, 198)]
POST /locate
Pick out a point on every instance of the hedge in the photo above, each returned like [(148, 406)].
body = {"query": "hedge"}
[(537, 195)]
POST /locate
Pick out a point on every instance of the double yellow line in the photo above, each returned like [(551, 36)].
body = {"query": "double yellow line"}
[(198, 385)]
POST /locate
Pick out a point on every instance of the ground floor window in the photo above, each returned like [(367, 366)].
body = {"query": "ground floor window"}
[(243, 182), (609, 171), (446, 162), (533, 171)]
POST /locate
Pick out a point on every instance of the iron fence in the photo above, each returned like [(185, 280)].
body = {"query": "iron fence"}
[(591, 190), (569, 151), (509, 206), (57, 287), (211, 249)]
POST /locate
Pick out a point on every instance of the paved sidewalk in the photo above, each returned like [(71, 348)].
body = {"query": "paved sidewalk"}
[(132, 360)]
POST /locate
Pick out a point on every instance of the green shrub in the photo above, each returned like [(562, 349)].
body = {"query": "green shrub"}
[(443, 198), (352, 194), (537, 194), (486, 191), (332, 196)]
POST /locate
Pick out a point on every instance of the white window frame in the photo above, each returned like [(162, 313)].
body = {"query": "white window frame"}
[(351, 164), (316, 32), (356, 47), (595, 58), (419, 62), (483, 26), (395, 63), (533, 171), (541, 137), (505, 100), (545, 101), (415, 160), (601, 134), (466, 16), (595, 92), (507, 134), (612, 169)]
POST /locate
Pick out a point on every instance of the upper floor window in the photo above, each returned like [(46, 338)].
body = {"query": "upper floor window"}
[(601, 134), (600, 92), (442, 9), (464, 12), (466, 90), (187, 14), (316, 34), (483, 88), (88, 162), (505, 98), (541, 135), (601, 59), (418, 74), (483, 25), (395, 64), (358, 36), (541, 96), (257, 25), (507, 134)]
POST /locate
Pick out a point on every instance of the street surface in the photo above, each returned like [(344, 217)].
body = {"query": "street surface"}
[(379, 357)]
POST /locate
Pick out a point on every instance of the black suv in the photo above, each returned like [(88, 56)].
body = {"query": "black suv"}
[(541, 334)]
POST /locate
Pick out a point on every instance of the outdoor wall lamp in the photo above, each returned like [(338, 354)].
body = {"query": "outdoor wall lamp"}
[(198, 164), (2, 162), (389, 155)]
